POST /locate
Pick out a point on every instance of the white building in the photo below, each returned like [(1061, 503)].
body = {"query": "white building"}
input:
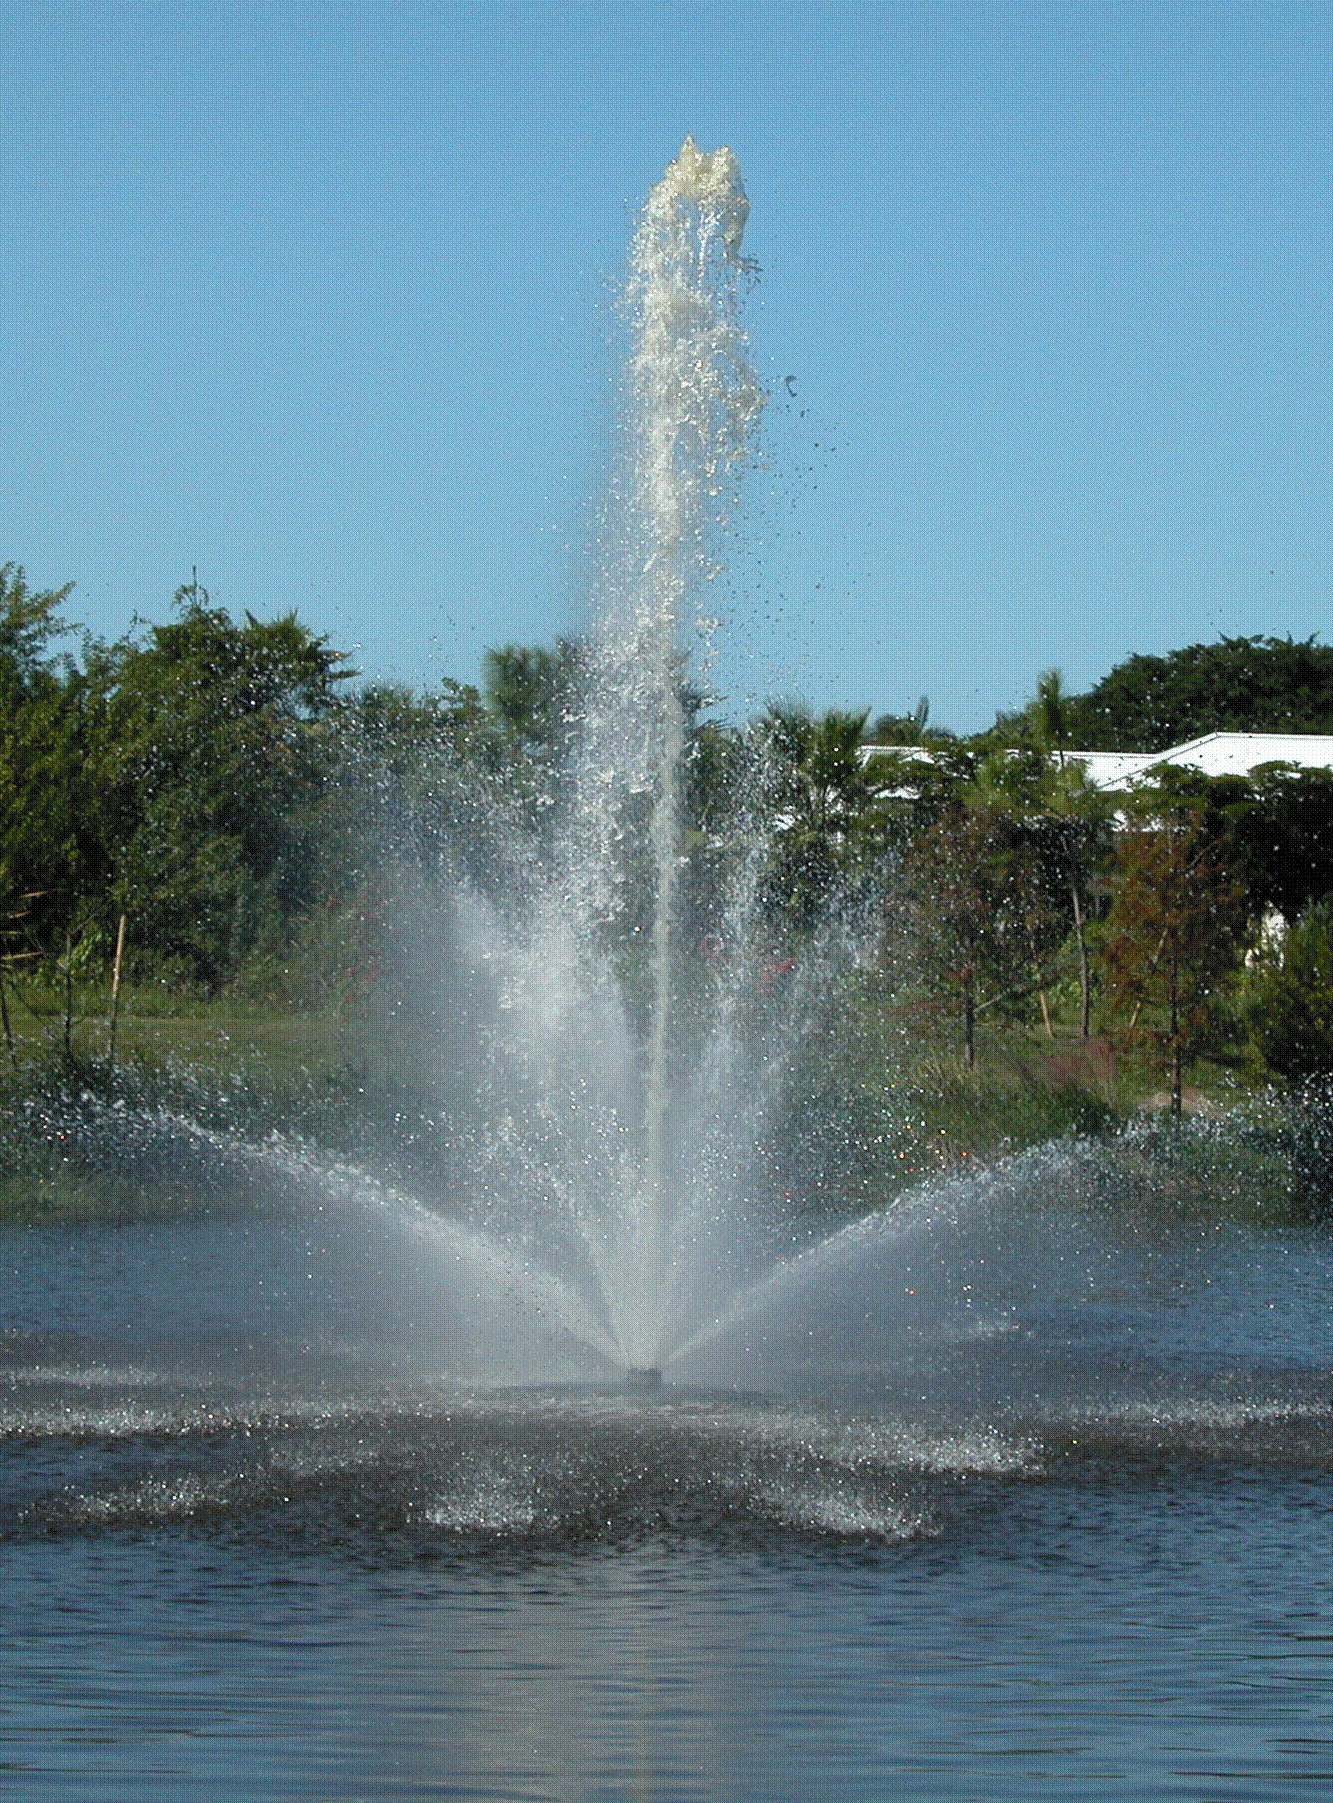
[(1215, 754)]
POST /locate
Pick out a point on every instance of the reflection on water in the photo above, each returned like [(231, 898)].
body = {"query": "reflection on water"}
[(1165, 1640), (1040, 1509)]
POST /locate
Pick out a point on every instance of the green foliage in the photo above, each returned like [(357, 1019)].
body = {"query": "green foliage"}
[(825, 804), (426, 781), (1291, 999), (28, 623), (260, 822), (916, 785), (909, 729), (533, 693), (1237, 685), (50, 800), (217, 749), (1280, 825), (876, 1105), (1065, 819), (985, 922), (1174, 932), (722, 779)]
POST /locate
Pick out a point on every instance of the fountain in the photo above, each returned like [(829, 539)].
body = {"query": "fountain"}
[(299, 1497), (596, 1330), (622, 1138)]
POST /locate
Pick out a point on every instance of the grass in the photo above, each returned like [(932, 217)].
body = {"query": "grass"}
[(217, 1062), (877, 1107), (895, 1103)]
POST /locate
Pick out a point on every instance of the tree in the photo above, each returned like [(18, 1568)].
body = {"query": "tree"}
[(1237, 685), (909, 729), (1052, 793), (1280, 824), (28, 623), (825, 805), (1173, 932), (984, 922), (533, 692), (1291, 1004), (52, 809), (425, 780), (722, 780), (217, 749)]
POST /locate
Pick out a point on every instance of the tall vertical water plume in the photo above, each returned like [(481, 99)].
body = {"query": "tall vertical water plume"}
[(694, 399), (596, 1028)]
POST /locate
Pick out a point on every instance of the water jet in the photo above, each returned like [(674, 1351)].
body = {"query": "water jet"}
[(619, 1107), (604, 1229), (643, 1379), (398, 1381)]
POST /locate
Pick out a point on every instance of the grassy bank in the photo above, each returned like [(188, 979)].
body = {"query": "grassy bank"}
[(874, 1107), (892, 1102)]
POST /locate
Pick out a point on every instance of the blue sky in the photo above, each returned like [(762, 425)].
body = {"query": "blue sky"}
[(319, 299)]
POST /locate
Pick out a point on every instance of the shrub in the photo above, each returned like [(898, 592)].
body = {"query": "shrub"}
[(1291, 1005)]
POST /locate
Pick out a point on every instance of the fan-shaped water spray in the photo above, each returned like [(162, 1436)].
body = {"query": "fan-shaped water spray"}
[(604, 1217), (1106, 1408)]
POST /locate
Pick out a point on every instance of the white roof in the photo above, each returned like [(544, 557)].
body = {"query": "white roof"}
[(1215, 754), (916, 754), (909, 754), (1114, 769)]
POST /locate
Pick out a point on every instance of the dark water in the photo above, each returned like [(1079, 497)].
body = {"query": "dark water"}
[(1036, 1512)]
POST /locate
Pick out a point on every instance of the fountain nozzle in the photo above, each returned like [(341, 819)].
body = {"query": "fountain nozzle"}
[(643, 1377)]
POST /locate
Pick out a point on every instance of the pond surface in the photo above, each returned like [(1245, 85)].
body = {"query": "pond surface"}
[(261, 1541)]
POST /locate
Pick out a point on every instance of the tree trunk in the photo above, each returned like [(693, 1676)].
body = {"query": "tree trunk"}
[(67, 1037), (1046, 1013), (115, 991), (4, 1020), (1084, 973)]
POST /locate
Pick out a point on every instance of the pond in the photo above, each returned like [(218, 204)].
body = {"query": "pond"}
[(263, 1541)]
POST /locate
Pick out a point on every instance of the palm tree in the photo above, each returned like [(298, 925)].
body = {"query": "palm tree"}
[(1074, 808), (825, 803)]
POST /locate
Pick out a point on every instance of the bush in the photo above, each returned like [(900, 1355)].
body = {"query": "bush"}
[(1291, 1003)]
